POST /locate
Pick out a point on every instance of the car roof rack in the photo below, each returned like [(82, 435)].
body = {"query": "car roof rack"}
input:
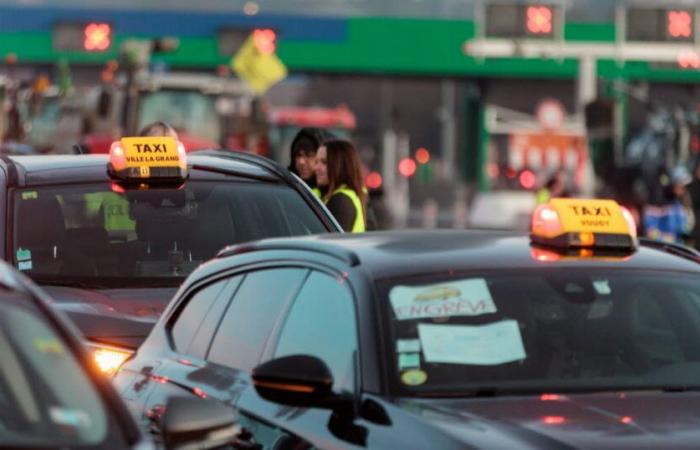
[(671, 247), (250, 158), (340, 253)]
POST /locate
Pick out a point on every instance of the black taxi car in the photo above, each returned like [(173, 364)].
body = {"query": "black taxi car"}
[(111, 237), (579, 336), (53, 397)]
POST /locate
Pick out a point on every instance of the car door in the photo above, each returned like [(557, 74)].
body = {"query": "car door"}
[(320, 322), (144, 387), (213, 352)]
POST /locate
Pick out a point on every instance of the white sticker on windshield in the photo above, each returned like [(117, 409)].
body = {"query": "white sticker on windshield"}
[(407, 345), (24, 265), (482, 345), (70, 417), (469, 297), (602, 287)]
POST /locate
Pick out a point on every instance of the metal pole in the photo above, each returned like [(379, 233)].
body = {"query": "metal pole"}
[(448, 127), (587, 89)]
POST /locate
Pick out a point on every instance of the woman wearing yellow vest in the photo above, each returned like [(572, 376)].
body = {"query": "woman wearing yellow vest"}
[(338, 175)]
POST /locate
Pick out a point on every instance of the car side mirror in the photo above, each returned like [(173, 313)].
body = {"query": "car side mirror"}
[(190, 422), (296, 380)]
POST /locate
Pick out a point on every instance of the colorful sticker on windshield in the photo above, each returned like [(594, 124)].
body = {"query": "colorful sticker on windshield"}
[(409, 360), (48, 346), (30, 195), (481, 345), (24, 259), (407, 345), (468, 297), (414, 377), (70, 417)]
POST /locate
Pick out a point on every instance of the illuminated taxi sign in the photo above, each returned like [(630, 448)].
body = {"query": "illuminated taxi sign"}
[(142, 159), (583, 223)]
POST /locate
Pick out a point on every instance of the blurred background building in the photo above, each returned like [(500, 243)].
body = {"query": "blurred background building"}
[(457, 106)]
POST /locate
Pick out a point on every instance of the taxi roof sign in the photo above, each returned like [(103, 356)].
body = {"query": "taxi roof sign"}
[(149, 158), (581, 223)]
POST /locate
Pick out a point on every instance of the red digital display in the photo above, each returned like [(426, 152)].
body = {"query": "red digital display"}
[(679, 24), (539, 20), (97, 37), (265, 41)]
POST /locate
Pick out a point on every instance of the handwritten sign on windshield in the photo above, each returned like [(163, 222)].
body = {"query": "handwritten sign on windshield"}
[(467, 297), (485, 345)]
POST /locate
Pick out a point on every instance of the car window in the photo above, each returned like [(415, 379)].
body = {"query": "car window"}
[(46, 399), (191, 317), (322, 323), (252, 314), (89, 232), (549, 331)]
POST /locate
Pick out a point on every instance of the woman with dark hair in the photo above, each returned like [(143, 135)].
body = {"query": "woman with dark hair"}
[(338, 174), (303, 154)]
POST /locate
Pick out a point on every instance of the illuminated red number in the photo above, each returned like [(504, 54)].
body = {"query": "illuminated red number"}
[(97, 37), (539, 20), (680, 24), (265, 41)]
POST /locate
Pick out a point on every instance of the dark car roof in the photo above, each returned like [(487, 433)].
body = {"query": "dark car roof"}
[(396, 253), (40, 169)]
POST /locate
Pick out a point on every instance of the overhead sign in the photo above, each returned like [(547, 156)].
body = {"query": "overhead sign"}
[(256, 64)]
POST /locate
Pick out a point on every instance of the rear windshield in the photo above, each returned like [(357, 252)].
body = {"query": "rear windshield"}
[(544, 331), (141, 237), (46, 399)]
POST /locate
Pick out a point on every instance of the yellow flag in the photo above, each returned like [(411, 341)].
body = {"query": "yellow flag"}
[(259, 70)]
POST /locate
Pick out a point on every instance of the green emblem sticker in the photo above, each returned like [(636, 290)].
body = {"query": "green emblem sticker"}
[(30, 195)]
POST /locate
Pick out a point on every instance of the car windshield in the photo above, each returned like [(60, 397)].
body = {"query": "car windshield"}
[(544, 331), (46, 399), (91, 235)]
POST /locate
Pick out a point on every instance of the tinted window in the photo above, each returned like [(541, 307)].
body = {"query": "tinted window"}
[(192, 316), (88, 232), (252, 314), (321, 323), (548, 331)]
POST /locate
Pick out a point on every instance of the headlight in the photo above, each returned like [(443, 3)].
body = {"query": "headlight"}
[(107, 358)]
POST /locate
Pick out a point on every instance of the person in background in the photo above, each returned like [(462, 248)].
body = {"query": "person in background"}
[(672, 220), (303, 154), (338, 174), (553, 188), (158, 128), (693, 190)]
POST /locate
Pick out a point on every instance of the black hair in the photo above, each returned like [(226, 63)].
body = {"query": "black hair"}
[(316, 137)]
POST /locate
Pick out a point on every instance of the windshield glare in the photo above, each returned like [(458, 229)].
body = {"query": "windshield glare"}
[(89, 232), (545, 331)]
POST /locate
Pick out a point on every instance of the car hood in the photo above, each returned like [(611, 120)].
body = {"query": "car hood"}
[(118, 316), (631, 420)]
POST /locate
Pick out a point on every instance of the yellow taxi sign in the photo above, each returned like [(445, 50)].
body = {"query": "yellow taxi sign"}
[(146, 152), (571, 222), (148, 157), (590, 215)]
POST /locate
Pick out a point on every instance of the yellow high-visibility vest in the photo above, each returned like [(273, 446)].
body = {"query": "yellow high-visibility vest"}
[(359, 225)]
